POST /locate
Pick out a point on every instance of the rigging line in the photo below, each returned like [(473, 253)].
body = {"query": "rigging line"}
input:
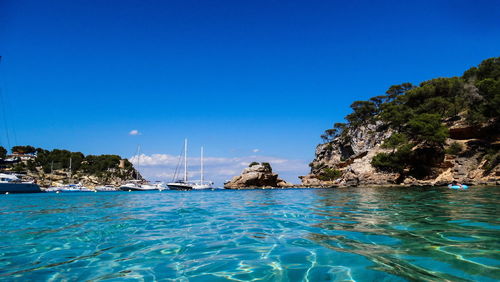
[(8, 109), (178, 166), (138, 162), (2, 102), (2, 105)]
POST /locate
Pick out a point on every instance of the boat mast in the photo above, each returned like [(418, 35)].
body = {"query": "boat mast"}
[(70, 169), (185, 160), (201, 160), (138, 162), (3, 103)]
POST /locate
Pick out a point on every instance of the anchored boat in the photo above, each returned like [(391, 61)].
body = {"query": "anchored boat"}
[(10, 183), (184, 184)]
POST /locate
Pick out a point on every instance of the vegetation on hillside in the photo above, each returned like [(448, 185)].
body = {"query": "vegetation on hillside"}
[(329, 174), (58, 159), (417, 114)]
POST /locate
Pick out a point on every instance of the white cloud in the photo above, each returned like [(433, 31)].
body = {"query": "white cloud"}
[(134, 132), (217, 169), (255, 150)]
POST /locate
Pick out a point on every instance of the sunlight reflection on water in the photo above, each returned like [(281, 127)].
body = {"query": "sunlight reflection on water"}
[(301, 234)]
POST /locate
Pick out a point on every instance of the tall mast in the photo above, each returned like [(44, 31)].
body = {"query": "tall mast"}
[(70, 168), (201, 160), (138, 162), (3, 102), (185, 160)]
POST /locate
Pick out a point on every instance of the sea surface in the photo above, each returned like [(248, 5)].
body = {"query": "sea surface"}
[(358, 234)]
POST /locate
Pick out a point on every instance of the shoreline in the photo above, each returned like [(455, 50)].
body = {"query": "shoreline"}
[(357, 186)]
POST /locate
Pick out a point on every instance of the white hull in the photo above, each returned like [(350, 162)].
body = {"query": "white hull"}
[(202, 186), (139, 187), (106, 189), (69, 188)]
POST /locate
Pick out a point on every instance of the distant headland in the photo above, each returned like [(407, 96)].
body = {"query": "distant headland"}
[(442, 130), (58, 166)]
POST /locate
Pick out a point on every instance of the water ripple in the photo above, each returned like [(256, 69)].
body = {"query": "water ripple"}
[(281, 235)]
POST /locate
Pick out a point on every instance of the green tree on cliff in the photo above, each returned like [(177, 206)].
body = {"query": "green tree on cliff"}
[(416, 114), (23, 149), (427, 128)]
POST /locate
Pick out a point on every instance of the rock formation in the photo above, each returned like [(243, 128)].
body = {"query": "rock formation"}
[(113, 176), (257, 176), (440, 130), (352, 156)]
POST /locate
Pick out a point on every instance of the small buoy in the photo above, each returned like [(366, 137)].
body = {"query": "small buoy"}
[(129, 190), (57, 192), (6, 193), (95, 191)]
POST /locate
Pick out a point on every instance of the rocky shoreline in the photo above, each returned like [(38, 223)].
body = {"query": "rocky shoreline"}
[(431, 134), (353, 159), (360, 187)]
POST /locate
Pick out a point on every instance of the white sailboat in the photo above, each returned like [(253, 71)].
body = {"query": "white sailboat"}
[(184, 184), (202, 184)]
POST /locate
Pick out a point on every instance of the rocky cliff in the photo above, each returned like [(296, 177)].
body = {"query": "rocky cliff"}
[(114, 177), (257, 176), (352, 157), (441, 130)]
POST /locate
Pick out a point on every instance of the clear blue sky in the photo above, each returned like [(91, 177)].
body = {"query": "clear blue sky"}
[(232, 75)]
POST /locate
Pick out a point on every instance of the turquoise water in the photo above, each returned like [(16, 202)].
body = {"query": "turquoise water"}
[(361, 234)]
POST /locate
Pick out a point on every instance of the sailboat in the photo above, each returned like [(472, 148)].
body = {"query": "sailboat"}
[(184, 184), (137, 184), (202, 184)]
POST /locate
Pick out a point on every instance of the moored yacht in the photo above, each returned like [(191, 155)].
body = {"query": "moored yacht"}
[(131, 185), (202, 184), (136, 185), (10, 183), (184, 184), (106, 188), (69, 188), (180, 185)]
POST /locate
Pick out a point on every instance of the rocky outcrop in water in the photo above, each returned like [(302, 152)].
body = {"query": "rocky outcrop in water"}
[(257, 176)]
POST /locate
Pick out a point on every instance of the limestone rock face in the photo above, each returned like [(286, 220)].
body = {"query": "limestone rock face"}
[(256, 176), (113, 177), (352, 154)]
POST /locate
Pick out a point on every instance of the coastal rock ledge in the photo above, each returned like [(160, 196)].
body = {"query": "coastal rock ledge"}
[(257, 176)]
